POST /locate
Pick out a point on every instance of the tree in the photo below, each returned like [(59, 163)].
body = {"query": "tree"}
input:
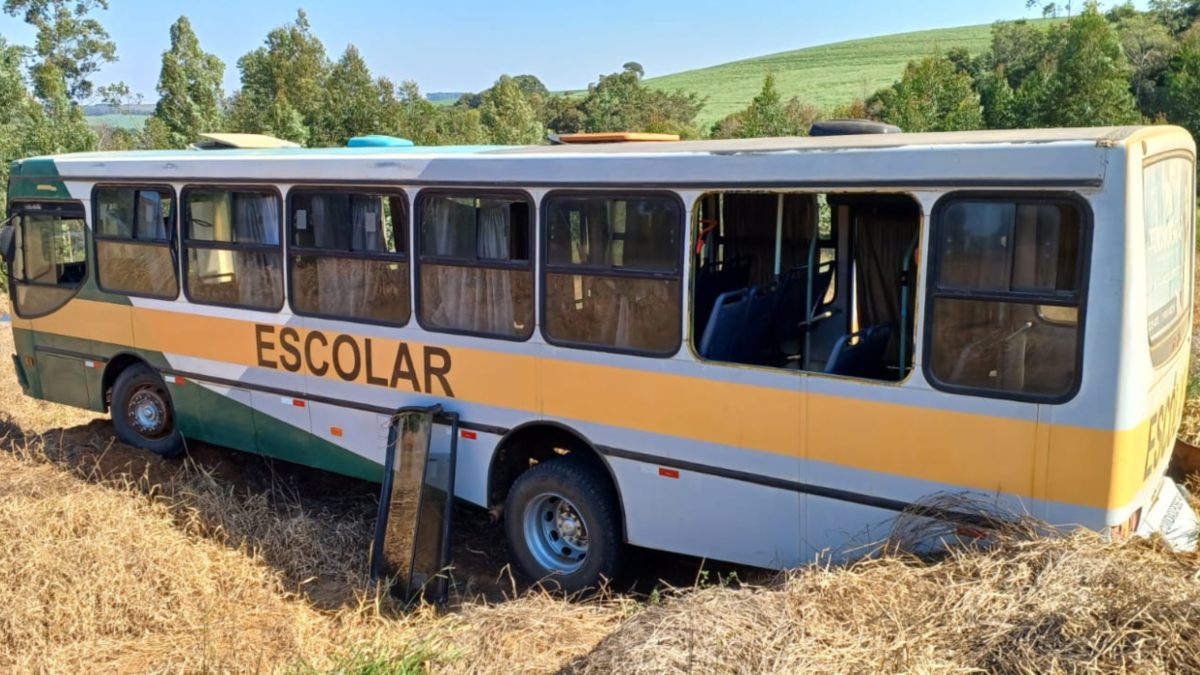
[(508, 116), (1090, 82), (355, 104), (189, 89), (622, 102), (1018, 48), (1175, 15), (997, 99), (1148, 46), (767, 115), (282, 83), (1183, 84), (635, 68), (932, 95), (70, 45)]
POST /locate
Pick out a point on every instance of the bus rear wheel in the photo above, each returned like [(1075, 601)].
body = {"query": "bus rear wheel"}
[(142, 412), (562, 522)]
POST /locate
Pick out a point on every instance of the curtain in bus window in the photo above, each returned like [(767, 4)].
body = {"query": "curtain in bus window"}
[(750, 222), (151, 222), (883, 235), (467, 297), (366, 224), (256, 220)]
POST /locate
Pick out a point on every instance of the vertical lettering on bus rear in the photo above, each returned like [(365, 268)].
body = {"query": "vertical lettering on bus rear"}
[(1163, 425)]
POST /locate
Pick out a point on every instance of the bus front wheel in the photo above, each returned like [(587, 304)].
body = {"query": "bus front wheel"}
[(563, 523), (142, 412)]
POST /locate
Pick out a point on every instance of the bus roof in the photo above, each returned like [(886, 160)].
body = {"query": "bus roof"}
[(1035, 157)]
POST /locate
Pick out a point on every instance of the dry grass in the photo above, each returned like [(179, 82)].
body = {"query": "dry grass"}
[(114, 561)]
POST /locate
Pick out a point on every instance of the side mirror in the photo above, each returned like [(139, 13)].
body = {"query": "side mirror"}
[(8, 242)]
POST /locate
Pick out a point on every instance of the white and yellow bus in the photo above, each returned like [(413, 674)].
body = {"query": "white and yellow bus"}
[(750, 350)]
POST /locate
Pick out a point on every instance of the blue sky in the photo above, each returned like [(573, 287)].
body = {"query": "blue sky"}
[(464, 45)]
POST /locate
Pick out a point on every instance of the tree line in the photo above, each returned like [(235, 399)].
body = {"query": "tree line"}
[(1119, 66)]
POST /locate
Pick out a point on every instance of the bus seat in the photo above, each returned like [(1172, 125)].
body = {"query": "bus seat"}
[(723, 332), (754, 345), (714, 279), (860, 354)]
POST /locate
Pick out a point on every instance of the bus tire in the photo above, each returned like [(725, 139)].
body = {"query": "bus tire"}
[(563, 525), (142, 412)]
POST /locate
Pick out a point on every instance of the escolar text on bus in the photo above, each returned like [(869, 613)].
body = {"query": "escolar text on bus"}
[(352, 358)]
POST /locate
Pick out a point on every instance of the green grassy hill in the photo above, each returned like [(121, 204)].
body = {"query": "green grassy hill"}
[(127, 121), (826, 75)]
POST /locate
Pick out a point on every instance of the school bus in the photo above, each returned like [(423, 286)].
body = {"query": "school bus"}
[(757, 351)]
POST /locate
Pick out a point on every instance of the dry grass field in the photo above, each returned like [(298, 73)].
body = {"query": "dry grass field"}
[(113, 561)]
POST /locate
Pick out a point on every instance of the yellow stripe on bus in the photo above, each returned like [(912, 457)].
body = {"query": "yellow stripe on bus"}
[(1087, 467)]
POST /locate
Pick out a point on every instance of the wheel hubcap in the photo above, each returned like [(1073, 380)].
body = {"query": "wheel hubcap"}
[(555, 533), (147, 412)]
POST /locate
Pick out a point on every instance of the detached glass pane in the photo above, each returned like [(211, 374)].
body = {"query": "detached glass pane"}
[(373, 290), (628, 314), (129, 267), (629, 233), (402, 510), (1004, 347), (250, 279), (477, 300)]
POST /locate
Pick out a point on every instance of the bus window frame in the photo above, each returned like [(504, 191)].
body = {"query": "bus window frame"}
[(680, 260), (15, 208), (933, 266), (171, 242), (290, 248), (185, 244), (419, 260)]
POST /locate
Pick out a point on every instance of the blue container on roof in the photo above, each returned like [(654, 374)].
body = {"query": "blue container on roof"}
[(378, 141)]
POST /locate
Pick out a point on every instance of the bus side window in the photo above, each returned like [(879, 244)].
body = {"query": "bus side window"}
[(51, 257), (134, 244), (612, 272), (475, 271), (232, 249), (1005, 291), (348, 255)]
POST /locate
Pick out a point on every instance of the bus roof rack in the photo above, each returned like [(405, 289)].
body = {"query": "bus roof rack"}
[(851, 128), (611, 137), (378, 141), (240, 142)]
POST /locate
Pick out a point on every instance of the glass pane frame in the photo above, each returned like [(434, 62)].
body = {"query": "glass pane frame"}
[(59, 294), (546, 269), (1076, 299), (189, 244), (422, 260), (401, 257), (170, 242)]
